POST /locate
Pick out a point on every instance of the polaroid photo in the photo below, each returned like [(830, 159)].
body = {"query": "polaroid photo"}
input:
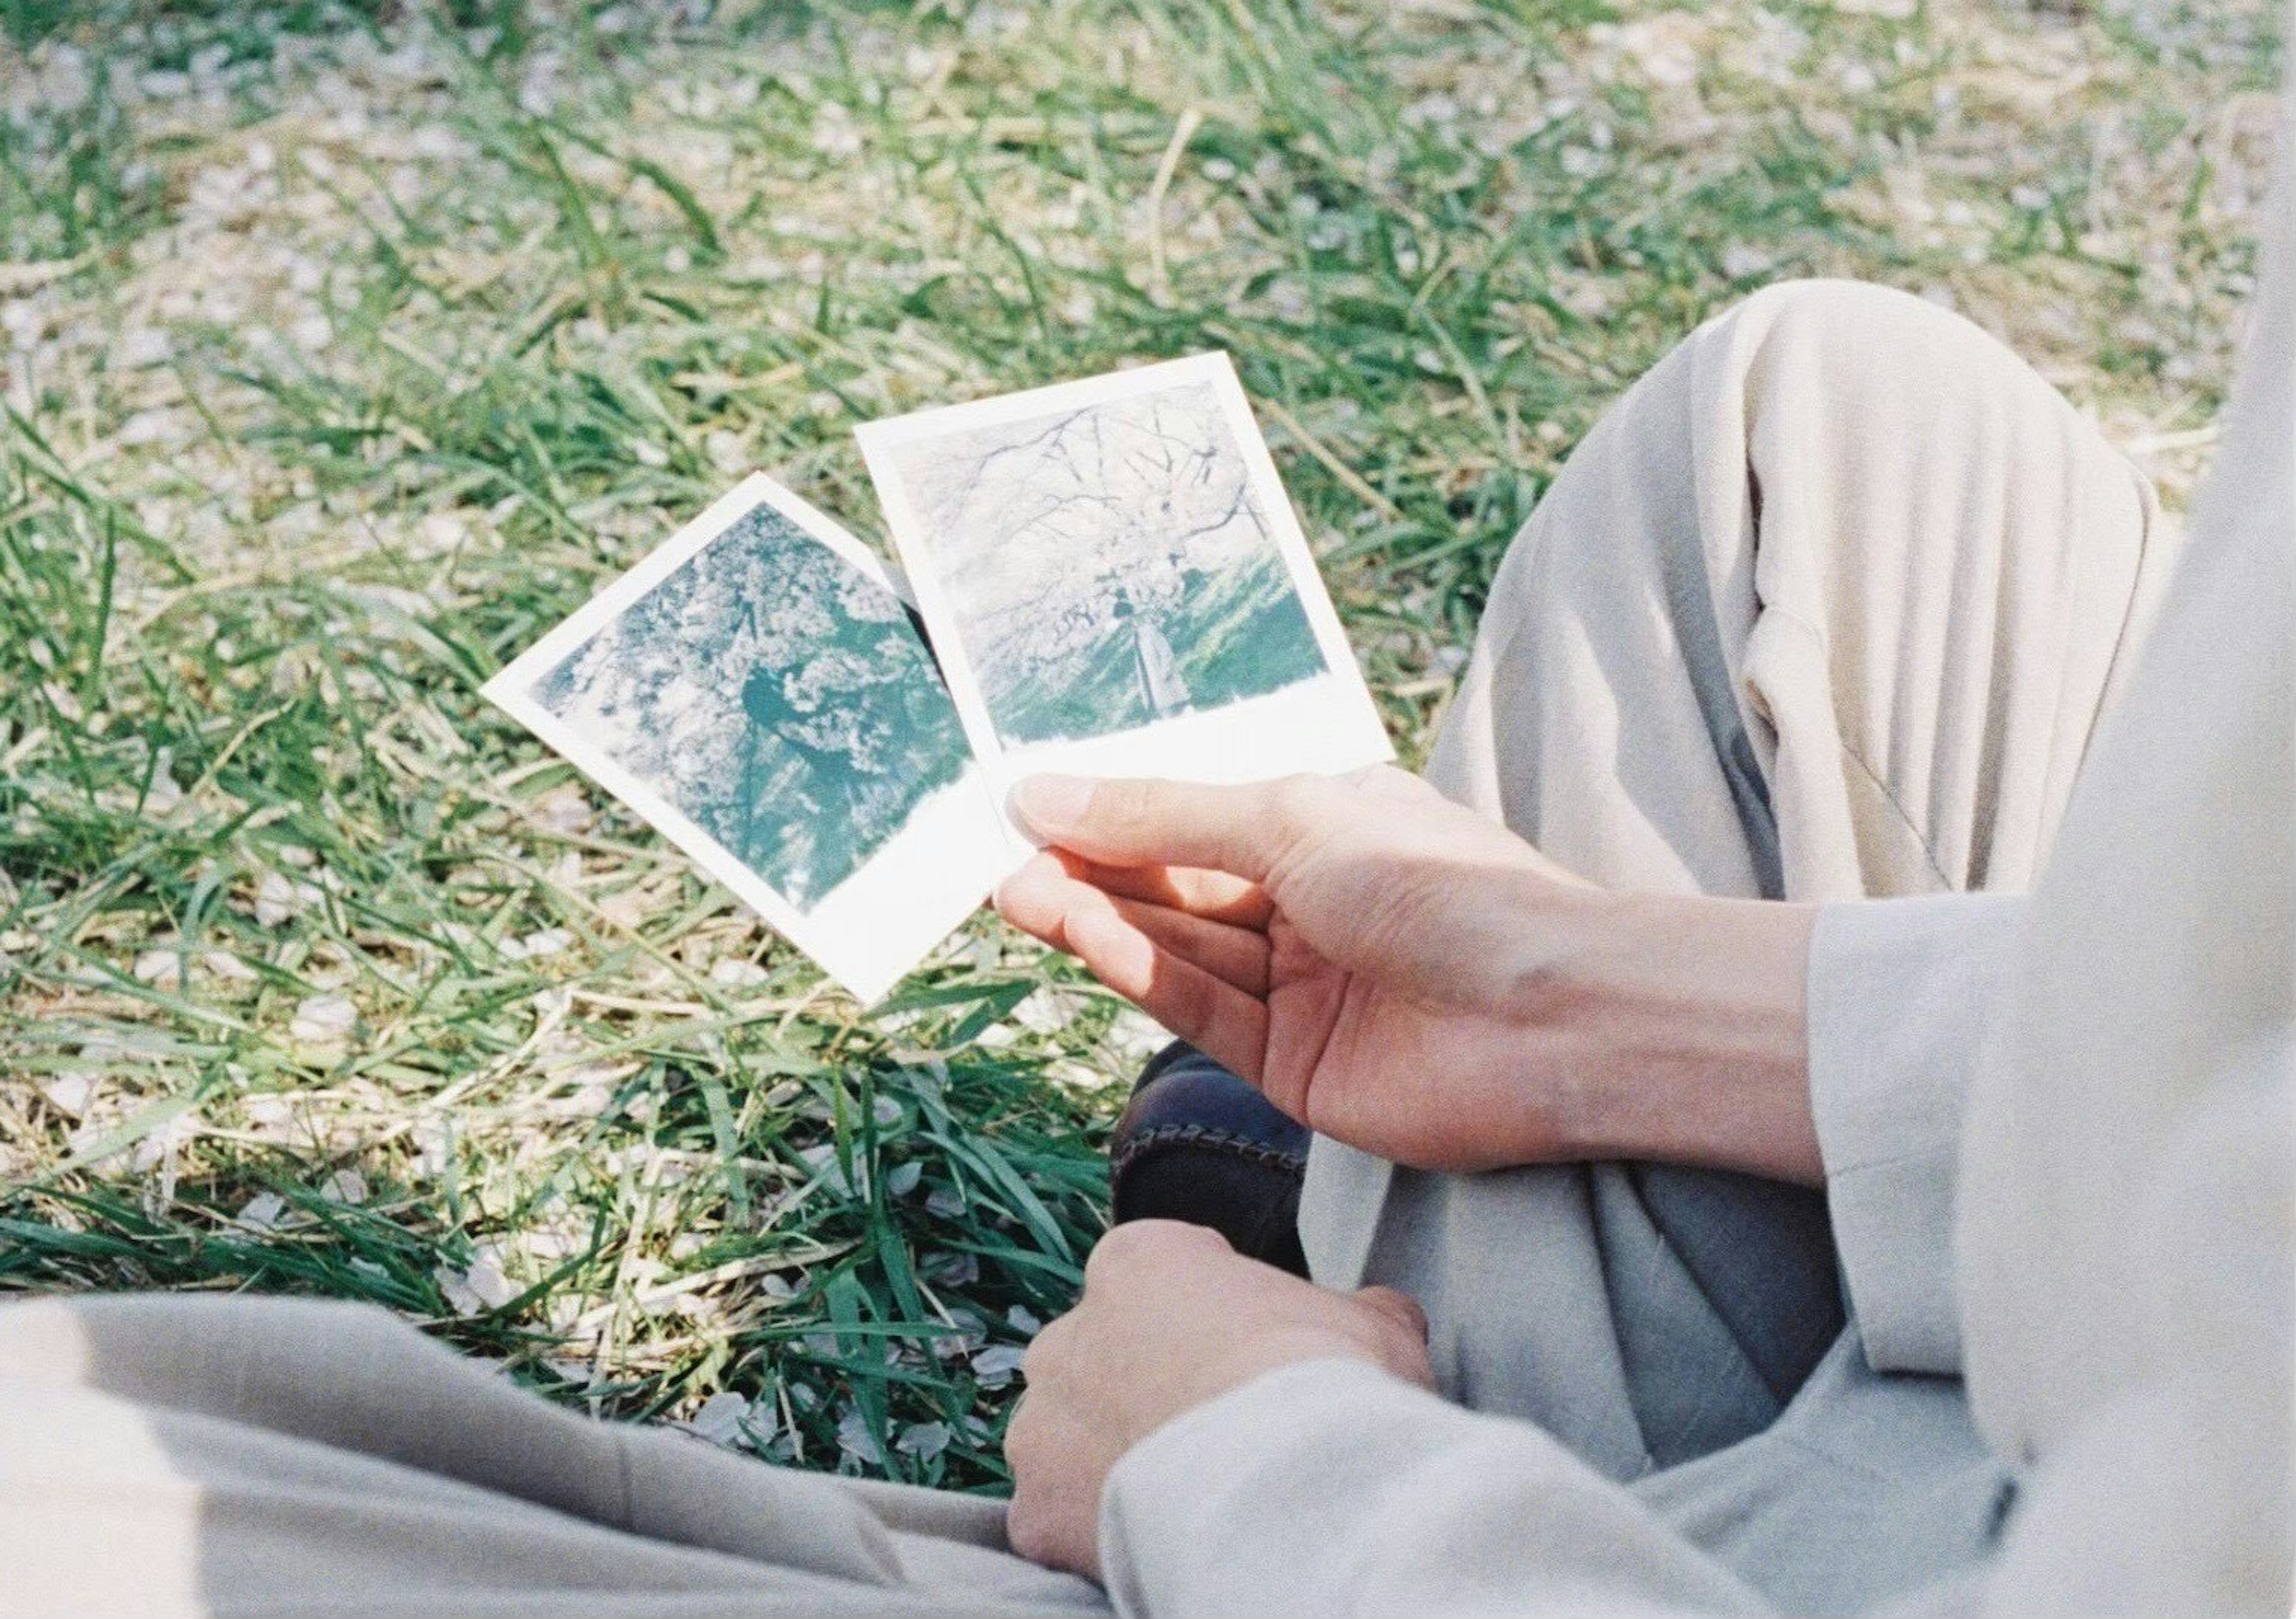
[(1116, 584), (757, 689)]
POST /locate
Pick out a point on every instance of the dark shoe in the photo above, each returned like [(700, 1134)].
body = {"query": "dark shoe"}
[(1198, 1144)]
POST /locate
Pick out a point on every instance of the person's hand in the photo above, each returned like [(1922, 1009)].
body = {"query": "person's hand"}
[(1400, 974), (1171, 1317)]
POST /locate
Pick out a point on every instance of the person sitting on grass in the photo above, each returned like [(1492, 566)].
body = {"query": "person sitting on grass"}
[(1800, 1095)]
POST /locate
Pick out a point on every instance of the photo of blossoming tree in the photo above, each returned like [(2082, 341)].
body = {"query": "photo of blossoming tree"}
[(1109, 566), (779, 698)]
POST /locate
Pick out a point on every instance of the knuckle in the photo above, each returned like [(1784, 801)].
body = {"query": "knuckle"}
[(1138, 1246), (1298, 811), (1293, 800), (1108, 1257), (1201, 1238), (1123, 1242)]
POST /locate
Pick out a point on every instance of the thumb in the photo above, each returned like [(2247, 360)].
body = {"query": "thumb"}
[(1242, 830)]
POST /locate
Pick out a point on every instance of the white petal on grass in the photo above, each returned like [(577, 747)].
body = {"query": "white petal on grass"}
[(829, 1169), (998, 1364), (834, 133), (1665, 47), (321, 1018), (1134, 1036), (156, 1148), (1024, 1321), (725, 450), (736, 974), (1076, 1075), (482, 1287), (545, 942), (443, 531), (69, 1093), (945, 1202), (719, 1419), (157, 426), (270, 1114), (228, 967), (344, 1186), (1045, 1012), (278, 898), (923, 1440), (855, 1439), (163, 969), (262, 1211), (903, 1179)]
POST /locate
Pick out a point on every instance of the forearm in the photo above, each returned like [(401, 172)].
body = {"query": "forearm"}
[(1675, 1028)]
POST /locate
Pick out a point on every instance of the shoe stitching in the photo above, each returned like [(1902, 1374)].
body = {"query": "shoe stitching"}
[(1200, 1135)]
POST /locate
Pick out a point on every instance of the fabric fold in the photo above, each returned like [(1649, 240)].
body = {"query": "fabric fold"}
[(1900, 995)]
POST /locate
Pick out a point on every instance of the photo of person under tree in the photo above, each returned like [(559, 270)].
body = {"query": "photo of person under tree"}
[(1110, 566)]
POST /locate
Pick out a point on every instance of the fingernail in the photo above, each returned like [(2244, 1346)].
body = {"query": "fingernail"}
[(1044, 806)]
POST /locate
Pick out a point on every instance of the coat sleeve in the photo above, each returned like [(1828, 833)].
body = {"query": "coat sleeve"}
[(1901, 992), (1330, 1487)]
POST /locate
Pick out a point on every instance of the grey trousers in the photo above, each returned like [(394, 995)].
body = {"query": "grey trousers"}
[(1749, 645), (1721, 657)]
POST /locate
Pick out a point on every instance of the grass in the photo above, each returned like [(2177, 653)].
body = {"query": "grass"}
[(344, 350)]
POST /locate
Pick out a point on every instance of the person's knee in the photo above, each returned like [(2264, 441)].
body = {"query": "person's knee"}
[(1829, 310), (1860, 342)]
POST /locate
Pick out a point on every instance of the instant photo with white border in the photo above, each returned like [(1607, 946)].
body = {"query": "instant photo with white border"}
[(1116, 584), (882, 907)]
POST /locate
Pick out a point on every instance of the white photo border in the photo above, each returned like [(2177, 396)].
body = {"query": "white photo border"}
[(884, 918), (1324, 724)]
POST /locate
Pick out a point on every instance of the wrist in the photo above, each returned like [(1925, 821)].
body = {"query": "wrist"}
[(1682, 1032)]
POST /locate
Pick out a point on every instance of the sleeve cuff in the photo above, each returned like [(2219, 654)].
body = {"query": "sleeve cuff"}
[(1900, 993), (1330, 1487)]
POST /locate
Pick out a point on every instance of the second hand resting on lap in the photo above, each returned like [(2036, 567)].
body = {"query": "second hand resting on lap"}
[(1405, 977)]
